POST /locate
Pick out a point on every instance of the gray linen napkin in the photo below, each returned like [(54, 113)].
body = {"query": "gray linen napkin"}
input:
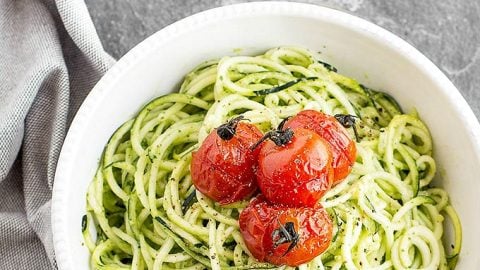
[(50, 58)]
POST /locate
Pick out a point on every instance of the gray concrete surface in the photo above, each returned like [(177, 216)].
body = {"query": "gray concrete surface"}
[(446, 31)]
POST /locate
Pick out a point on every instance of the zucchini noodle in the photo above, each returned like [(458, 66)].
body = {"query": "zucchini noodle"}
[(147, 214)]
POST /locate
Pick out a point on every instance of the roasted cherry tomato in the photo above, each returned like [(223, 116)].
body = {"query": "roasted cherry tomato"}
[(224, 166), (328, 127), (294, 167), (285, 236)]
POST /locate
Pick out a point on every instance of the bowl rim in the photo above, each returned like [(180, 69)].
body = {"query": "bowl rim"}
[(85, 112)]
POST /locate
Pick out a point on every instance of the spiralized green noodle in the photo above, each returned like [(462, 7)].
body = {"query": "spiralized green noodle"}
[(147, 214)]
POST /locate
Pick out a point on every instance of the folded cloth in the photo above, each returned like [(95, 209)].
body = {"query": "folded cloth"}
[(50, 58)]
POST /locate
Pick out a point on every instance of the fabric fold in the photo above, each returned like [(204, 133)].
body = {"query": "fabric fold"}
[(50, 59)]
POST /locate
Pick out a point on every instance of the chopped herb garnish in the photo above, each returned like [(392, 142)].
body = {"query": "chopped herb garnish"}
[(84, 223), (189, 200), (328, 66), (230, 244), (282, 87)]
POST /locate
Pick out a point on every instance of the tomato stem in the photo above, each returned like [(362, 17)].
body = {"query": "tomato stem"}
[(279, 136), (280, 126), (348, 120), (285, 234), (227, 131)]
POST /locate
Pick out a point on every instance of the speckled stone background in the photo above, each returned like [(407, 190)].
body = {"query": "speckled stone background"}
[(446, 31)]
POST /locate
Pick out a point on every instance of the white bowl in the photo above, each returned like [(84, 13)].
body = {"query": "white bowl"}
[(356, 47)]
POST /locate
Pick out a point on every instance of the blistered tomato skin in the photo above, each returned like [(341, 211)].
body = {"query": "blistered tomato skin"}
[(343, 148), (260, 226), (224, 170), (297, 173)]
